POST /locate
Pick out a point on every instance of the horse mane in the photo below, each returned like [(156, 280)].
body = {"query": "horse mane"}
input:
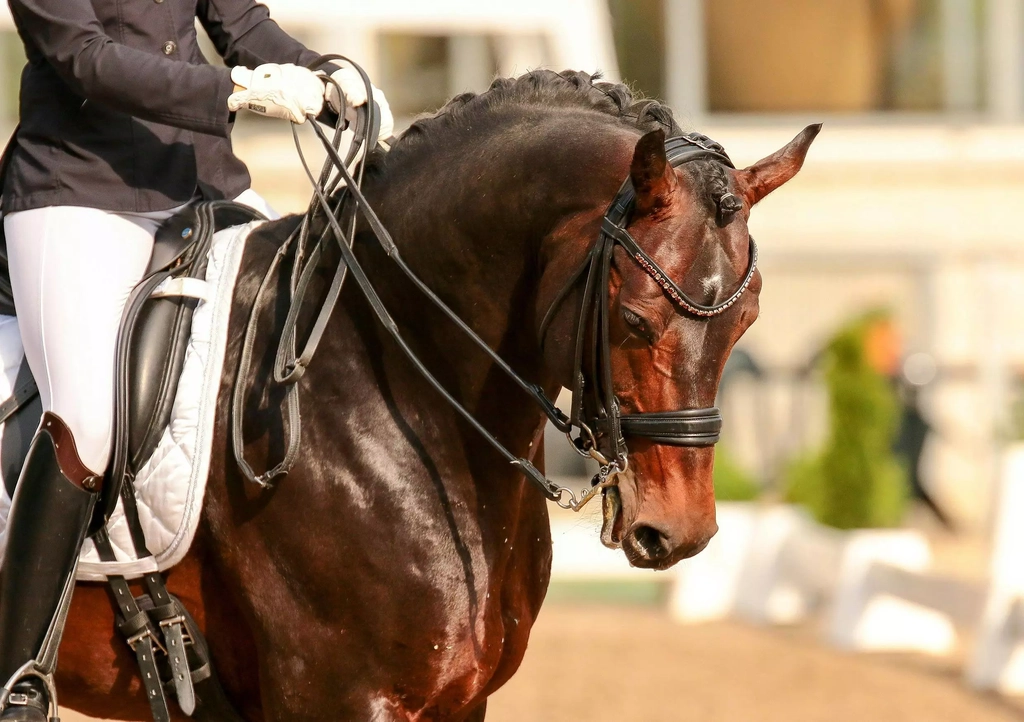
[(570, 88), (550, 89)]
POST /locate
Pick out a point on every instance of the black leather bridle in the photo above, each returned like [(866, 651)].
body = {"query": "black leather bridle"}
[(606, 429), (595, 409)]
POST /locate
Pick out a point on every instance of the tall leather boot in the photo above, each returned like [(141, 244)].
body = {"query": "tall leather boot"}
[(49, 517)]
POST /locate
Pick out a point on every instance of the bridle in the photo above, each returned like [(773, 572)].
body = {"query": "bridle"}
[(601, 434), (595, 409)]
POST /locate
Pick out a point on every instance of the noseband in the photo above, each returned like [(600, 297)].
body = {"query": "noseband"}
[(595, 408)]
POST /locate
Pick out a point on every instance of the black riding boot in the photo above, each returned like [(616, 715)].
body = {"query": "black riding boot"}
[(49, 517)]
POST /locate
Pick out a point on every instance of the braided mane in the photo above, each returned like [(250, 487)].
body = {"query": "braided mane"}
[(570, 88), (567, 89)]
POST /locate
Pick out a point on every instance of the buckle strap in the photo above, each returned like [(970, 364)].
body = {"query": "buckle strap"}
[(142, 633), (168, 613), (139, 627), (146, 634), (30, 692), (155, 624), (145, 655), (178, 658)]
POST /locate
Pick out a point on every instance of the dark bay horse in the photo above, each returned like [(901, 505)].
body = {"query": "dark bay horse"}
[(396, 572)]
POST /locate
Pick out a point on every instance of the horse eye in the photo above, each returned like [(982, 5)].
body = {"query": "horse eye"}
[(637, 323)]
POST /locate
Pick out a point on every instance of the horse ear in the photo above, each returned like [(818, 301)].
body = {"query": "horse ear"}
[(652, 176), (760, 179)]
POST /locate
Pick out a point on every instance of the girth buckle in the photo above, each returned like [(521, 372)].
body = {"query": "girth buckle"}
[(186, 637), (137, 639)]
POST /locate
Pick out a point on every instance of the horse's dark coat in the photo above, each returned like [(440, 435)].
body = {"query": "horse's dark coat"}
[(396, 572)]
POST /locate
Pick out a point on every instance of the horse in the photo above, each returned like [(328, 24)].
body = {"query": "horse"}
[(396, 572)]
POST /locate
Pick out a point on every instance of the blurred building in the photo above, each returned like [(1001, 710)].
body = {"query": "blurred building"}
[(904, 201), (907, 199)]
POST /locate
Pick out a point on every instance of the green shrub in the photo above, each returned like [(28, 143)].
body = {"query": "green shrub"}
[(732, 482), (855, 481)]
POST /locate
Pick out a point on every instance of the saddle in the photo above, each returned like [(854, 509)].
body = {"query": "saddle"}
[(155, 331), (152, 340)]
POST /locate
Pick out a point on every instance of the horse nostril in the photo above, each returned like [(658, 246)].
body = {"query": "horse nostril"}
[(650, 541)]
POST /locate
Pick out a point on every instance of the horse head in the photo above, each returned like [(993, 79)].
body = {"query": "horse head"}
[(677, 304)]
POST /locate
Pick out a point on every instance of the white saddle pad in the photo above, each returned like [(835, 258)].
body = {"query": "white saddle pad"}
[(171, 484)]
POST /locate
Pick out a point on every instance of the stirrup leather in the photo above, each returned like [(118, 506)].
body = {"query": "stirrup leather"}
[(172, 655)]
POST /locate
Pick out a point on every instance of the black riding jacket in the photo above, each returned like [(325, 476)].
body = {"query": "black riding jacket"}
[(119, 109)]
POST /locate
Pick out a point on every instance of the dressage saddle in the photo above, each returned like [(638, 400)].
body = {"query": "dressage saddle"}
[(153, 339), (154, 334)]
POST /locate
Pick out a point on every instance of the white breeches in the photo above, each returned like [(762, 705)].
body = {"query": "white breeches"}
[(72, 270)]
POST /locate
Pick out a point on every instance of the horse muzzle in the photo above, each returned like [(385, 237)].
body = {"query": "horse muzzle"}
[(649, 537)]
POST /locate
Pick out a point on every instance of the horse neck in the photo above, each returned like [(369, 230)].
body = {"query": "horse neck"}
[(474, 231)]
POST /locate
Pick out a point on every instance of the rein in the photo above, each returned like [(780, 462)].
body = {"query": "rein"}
[(603, 438)]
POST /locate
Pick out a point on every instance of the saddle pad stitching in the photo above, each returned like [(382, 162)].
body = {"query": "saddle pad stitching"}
[(221, 316), (215, 327)]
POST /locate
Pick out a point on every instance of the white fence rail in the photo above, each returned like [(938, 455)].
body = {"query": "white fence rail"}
[(772, 564)]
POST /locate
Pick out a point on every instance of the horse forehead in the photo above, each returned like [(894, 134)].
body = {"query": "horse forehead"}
[(686, 251)]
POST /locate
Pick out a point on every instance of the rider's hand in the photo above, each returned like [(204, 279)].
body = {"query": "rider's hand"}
[(354, 91), (290, 92)]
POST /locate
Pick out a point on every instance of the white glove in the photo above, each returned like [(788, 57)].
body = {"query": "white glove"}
[(290, 92), (354, 90)]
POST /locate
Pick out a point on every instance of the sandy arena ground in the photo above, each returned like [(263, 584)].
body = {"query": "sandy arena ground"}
[(632, 664), (635, 665)]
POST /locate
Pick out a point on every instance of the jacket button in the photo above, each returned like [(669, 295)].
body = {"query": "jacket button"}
[(158, 1), (169, 47)]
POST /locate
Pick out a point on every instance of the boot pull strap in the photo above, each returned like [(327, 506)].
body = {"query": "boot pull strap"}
[(70, 462)]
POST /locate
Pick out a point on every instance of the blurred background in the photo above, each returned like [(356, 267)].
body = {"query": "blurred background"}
[(869, 478)]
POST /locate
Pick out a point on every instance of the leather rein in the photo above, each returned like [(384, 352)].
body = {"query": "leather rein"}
[(601, 436)]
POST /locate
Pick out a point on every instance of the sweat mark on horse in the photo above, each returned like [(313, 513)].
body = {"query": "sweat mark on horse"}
[(396, 573)]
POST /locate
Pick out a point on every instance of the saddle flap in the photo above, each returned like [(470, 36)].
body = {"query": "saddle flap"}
[(157, 353), (155, 333)]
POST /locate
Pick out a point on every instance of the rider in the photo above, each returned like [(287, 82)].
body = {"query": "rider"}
[(123, 122)]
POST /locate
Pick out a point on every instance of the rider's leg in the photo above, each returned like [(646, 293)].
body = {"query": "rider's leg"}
[(51, 509), (72, 270)]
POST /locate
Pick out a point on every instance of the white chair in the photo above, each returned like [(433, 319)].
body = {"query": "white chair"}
[(886, 600), (790, 567), (706, 587), (998, 659)]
